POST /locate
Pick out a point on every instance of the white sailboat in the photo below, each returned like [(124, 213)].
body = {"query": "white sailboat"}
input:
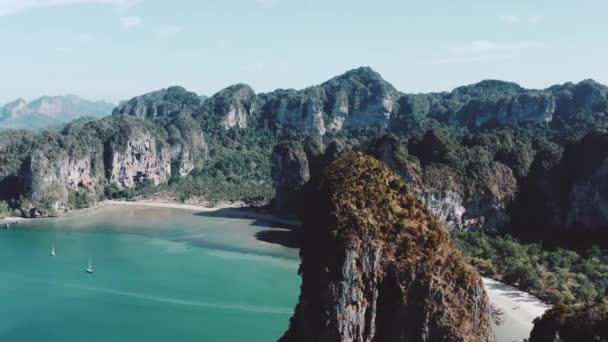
[(90, 268), (52, 250)]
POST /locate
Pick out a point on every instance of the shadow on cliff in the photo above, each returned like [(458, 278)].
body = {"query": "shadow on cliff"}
[(281, 231)]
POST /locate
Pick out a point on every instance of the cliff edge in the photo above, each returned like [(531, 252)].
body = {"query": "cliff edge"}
[(378, 266)]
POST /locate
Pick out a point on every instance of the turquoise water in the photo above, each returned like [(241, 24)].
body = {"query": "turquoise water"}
[(160, 275)]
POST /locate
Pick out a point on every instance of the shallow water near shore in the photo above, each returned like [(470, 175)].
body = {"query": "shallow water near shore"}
[(160, 275)]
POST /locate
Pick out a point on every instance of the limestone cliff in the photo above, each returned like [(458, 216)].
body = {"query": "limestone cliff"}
[(567, 189), (39, 172), (142, 157), (48, 179), (234, 105), (362, 99), (358, 98), (161, 103), (458, 200), (290, 171), (378, 266)]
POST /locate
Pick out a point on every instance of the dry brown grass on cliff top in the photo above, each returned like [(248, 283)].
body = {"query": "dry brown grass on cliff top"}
[(366, 201)]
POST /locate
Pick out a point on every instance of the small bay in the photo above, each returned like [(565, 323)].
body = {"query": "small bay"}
[(160, 275)]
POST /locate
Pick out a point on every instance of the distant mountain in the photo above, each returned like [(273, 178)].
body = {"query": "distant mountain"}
[(50, 111), (362, 99)]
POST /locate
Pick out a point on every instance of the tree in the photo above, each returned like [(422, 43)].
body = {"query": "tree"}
[(4, 209)]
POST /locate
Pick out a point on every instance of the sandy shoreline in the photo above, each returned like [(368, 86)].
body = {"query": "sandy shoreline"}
[(176, 205), (519, 309), (231, 209)]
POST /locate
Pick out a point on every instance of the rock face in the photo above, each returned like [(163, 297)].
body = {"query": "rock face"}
[(569, 188), (361, 98), (141, 158), (482, 205), (378, 266), (358, 98), (50, 111), (48, 180), (458, 204), (165, 102), (234, 105), (290, 171), (492, 104), (39, 172)]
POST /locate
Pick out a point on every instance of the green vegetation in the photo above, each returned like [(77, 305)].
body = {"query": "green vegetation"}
[(360, 204), (556, 276), (4, 209), (79, 199), (585, 322)]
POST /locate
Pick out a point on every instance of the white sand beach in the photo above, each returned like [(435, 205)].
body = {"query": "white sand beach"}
[(177, 205), (519, 310), (235, 209), (230, 209)]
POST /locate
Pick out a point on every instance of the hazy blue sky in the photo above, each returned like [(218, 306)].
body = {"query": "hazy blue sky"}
[(116, 49)]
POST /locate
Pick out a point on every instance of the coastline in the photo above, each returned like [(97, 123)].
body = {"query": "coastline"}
[(237, 209), (518, 309)]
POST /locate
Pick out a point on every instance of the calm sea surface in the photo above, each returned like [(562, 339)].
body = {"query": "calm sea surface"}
[(160, 275)]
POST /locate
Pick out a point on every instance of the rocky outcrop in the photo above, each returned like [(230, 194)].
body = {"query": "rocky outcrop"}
[(290, 171), (459, 204), (358, 98), (166, 102), (494, 104), (378, 266), (361, 98), (567, 189), (141, 158), (462, 204), (41, 172), (48, 179), (505, 110), (234, 106)]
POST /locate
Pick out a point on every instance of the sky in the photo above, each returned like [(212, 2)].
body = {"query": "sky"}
[(116, 49)]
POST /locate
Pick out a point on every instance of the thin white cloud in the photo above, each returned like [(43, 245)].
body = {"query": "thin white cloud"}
[(167, 32), (514, 19), (68, 37), (473, 59), (536, 19), (269, 3), (485, 46), (189, 53), (14, 7), (484, 50), (509, 19), (129, 22), (253, 67)]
